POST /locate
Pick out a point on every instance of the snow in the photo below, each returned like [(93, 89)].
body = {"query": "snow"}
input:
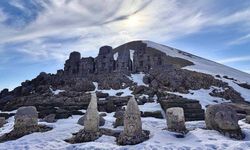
[(112, 92), (198, 138), (131, 52), (150, 107), (56, 92), (115, 56), (203, 96), (201, 64), (138, 78)]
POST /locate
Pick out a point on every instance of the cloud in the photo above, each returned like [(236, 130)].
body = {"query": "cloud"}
[(2, 16), (241, 40), (235, 59), (113, 22)]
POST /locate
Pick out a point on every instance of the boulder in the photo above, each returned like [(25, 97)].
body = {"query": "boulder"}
[(224, 119), (26, 117), (50, 118), (176, 120)]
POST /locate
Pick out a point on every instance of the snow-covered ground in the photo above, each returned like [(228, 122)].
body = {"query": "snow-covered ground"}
[(198, 138), (203, 96)]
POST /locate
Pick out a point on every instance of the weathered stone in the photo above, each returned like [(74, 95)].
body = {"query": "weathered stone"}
[(72, 65), (223, 119), (132, 133), (2, 121), (26, 117), (91, 122), (82, 119), (26, 122), (176, 120), (104, 62), (50, 118)]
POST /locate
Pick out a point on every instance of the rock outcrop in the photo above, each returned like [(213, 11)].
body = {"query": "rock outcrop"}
[(224, 119), (133, 133)]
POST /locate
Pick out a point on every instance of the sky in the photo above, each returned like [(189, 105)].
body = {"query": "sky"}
[(38, 35)]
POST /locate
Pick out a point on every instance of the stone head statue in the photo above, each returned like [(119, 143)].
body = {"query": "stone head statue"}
[(132, 118)]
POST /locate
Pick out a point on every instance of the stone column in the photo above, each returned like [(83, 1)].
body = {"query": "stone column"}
[(91, 122)]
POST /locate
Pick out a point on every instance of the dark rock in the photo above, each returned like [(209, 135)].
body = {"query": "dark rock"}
[(101, 95), (84, 136), (119, 115), (18, 133), (119, 93), (50, 118), (155, 114), (244, 85), (2, 121)]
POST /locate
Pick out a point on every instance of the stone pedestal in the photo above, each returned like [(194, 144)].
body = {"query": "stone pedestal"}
[(176, 120)]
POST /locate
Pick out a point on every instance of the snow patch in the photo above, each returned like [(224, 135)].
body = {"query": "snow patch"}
[(115, 56), (203, 96), (138, 78), (56, 92), (131, 52), (112, 92)]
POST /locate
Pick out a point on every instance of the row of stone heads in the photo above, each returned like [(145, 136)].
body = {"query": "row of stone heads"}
[(218, 117)]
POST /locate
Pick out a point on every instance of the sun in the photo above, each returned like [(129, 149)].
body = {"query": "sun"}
[(134, 21)]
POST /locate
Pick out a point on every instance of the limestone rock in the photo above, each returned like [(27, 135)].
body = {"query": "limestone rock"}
[(176, 120), (26, 117), (132, 133), (224, 119)]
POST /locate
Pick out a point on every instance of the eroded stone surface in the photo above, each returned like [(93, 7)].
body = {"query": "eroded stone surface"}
[(224, 119), (176, 120), (132, 133)]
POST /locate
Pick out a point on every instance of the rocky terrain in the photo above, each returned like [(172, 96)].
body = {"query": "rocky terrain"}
[(159, 77)]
